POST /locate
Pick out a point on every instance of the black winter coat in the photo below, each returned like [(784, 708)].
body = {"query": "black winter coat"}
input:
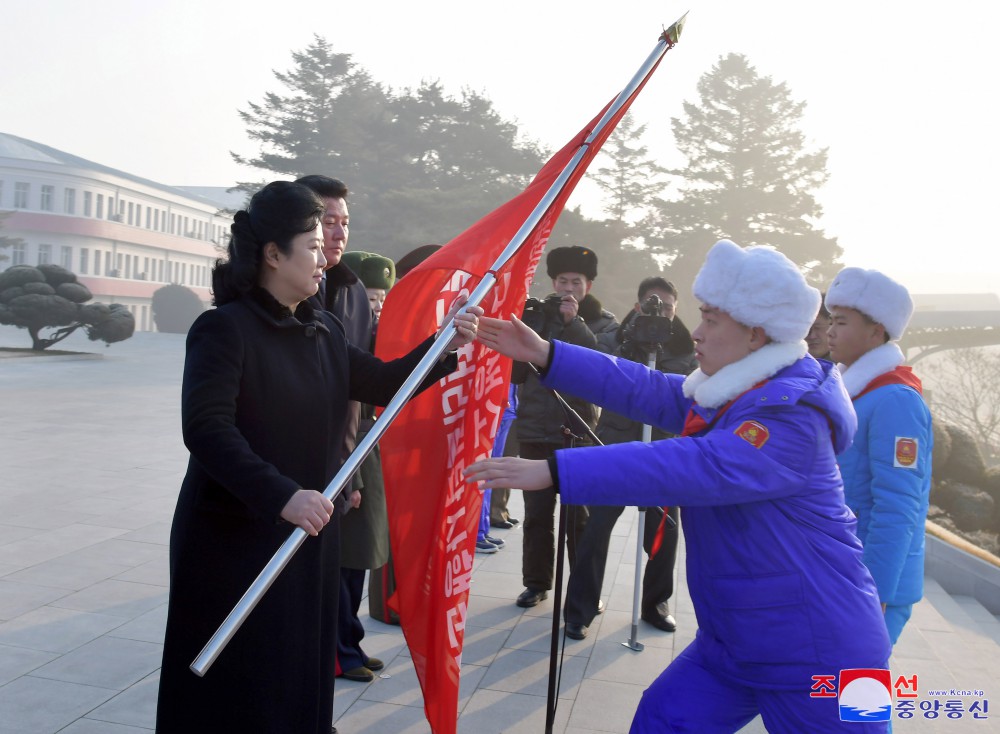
[(539, 417), (263, 406), (675, 357), (345, 296)]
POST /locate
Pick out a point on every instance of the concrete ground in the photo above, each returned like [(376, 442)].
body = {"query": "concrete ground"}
[(91, 459)]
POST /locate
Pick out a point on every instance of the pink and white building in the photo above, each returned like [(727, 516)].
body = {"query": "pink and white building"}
[(123, 235)]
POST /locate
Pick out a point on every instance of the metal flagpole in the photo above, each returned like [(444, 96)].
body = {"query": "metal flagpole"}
[(284, 554)]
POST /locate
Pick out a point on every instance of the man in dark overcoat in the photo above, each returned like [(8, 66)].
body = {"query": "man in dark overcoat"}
[(583, 593), (573, 315)]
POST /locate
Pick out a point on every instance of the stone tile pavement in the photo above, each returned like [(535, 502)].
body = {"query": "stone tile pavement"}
[(90, 462)]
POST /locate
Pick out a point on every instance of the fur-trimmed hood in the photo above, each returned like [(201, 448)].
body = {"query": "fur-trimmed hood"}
[(870, 365), (712, 391)]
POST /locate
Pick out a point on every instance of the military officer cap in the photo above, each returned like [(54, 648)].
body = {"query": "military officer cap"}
[(375, 271)]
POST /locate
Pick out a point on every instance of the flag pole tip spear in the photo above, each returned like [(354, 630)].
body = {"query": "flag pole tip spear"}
[(672, 34)]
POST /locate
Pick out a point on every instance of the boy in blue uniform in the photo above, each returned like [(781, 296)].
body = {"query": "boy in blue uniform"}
[(774, 565), (887, 470)]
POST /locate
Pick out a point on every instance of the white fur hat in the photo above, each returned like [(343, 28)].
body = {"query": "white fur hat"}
[(758, 286), (874, 294)]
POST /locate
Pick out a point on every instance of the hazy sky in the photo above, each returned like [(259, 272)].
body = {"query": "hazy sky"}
[(904, 94)]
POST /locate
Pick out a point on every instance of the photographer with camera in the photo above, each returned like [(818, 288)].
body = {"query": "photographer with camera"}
[(574, 316), (650, 328)]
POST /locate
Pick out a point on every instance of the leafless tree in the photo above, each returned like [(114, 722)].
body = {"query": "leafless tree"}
[(966, 391)]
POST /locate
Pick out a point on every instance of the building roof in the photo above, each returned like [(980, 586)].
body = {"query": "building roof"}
[(12, 146)]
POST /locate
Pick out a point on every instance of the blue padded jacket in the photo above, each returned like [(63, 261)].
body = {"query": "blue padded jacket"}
[(774, 567)]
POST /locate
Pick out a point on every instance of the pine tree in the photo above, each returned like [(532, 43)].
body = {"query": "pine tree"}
[(748, 177), (633, 181), (421, 165)]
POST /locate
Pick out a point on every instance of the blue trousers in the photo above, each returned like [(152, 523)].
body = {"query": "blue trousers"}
[(896, 618), (688, 697)]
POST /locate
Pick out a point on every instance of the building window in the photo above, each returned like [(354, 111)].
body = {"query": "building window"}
[(21, 190), (19, 253), (88, 203), (99, 212), (84, 257), (149, 217), (44, 254), (67, 257), (69, 201), (131, 212), (156, 219), (48, 194)]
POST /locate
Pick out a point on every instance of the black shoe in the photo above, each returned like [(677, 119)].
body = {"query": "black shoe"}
[(576, 631), (513, 520), (503, 524), (374, 664), (600, 606), (360, 674), (333, 730), (659, 618), (530, 597)]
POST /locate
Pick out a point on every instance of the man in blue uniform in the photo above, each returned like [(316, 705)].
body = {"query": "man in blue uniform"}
[(774, 565), (887, 470)]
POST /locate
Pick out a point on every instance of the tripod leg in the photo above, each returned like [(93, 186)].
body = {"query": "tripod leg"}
[(633, 642)]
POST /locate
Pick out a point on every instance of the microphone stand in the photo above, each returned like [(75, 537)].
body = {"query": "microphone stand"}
[(572, 430)]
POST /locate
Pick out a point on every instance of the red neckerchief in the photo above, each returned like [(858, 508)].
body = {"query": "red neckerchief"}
[(902, 375), (694, 423)]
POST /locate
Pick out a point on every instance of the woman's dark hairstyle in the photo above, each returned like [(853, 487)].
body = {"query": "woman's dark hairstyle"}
[(655, 281), (277, 213)]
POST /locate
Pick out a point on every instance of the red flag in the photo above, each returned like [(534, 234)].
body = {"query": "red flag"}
[(433, 513)]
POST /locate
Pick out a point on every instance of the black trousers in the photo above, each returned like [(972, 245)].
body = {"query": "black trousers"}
[(350, 631), (587, 575), (539, 549)]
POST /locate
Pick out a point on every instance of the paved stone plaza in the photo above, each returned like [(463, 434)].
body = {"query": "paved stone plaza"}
[(91, 459)]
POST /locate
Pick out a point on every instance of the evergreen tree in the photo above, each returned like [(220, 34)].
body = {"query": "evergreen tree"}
[(633, 181), (421, 165), (748, 177)]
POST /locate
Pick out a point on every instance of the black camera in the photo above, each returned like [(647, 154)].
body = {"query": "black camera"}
[(537, 312), (648, 331)]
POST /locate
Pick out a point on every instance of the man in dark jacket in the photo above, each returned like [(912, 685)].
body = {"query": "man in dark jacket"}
[(340, 293), (345, 296), (583, 594), (574, 316)]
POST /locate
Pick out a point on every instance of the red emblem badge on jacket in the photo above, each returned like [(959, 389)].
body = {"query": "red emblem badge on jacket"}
[(753, 433), (906, 453)]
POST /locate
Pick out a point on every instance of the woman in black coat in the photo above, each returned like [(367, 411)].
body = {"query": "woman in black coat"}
[(266, 385)]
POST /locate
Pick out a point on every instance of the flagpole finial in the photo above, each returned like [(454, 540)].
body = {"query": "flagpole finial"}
[(672, 34)]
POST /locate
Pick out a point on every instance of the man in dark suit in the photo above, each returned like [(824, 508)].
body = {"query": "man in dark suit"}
[(340, 293), (344, 295)]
